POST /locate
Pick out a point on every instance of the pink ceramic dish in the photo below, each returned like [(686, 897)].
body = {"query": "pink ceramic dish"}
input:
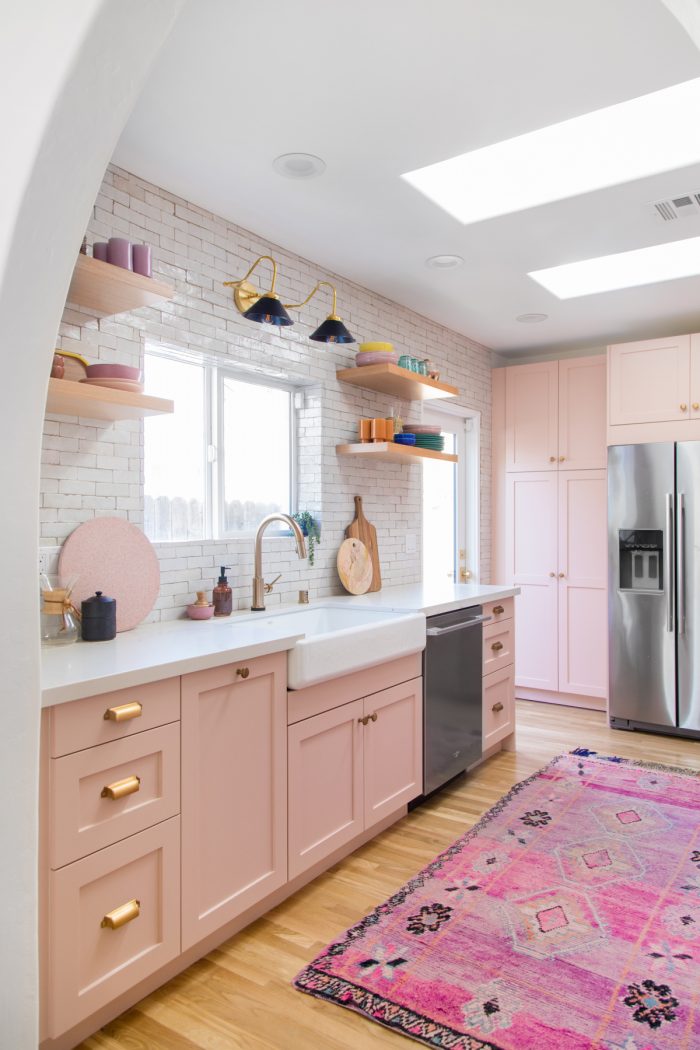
[(200, 612), (376, 357), (113, 372), (419, 428)]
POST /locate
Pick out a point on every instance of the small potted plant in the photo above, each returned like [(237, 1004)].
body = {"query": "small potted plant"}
[(310, 528)]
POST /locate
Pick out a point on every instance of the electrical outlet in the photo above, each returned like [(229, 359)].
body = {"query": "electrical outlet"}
[(48, 557), (411, 543)]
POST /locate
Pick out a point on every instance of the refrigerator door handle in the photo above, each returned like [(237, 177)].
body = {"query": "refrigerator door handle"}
[(680, 555), (668, 562)]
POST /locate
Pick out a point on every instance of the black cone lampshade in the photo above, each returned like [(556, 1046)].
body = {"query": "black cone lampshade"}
[(268, 309), (332, 331)]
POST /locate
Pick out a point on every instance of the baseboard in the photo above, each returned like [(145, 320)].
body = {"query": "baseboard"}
[(545, 696)]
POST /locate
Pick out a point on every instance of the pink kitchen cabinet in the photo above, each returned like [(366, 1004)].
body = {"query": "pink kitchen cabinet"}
[(582, 435), (234, 791), (531, 430), (393, 745), (649, 381)]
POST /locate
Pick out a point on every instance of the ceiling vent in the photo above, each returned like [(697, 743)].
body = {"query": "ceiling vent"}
[(688, 204)]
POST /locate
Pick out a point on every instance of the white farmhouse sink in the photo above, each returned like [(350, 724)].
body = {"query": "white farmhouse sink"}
[(338, 641)]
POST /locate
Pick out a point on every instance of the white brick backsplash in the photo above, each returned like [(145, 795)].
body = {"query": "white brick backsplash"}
[(92, 469)]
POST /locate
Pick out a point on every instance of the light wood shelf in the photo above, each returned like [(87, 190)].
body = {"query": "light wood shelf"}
[(68, 398), (399, 382), (106, 290), (392, 452)]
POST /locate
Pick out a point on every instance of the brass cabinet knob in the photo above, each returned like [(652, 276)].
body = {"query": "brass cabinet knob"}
[(363, 721), (497, 646), (124, 712), (497, 707), (497, 610), (121, 915), (121, 788), (696, 406), (242, 672), (465, 574), (552, 459), (562, 575), (562, 458), (373, 716), (683, 407), (552, 574)]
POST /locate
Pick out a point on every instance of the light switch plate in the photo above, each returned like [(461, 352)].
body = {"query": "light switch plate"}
[(411, 543)]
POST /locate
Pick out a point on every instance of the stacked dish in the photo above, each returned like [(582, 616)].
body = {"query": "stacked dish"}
[(376, 357), (371, 348), (405, 439), (117, 377), (431, 441)]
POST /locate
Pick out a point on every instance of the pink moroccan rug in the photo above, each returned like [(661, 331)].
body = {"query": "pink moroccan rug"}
[(568, 918)]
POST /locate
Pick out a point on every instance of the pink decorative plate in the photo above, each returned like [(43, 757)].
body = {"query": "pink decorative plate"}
[(113, 556), (117, 384), (419, 428)]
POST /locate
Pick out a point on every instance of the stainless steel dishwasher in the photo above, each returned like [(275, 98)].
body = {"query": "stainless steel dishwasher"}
[(452, 670)]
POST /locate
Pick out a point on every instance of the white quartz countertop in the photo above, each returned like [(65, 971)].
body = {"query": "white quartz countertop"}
[(155, 651), (430, 598)]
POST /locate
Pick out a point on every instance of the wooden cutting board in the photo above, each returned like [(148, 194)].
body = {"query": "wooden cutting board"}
[(354, 566), (361, 529)]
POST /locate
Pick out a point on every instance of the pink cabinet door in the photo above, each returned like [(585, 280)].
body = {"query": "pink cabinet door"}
[(114, 919), (325, 784), (393, 747), (531, 564), (582, 421), (649, 382), (531, 440), (234, 791), (583, 560), (695, 376)]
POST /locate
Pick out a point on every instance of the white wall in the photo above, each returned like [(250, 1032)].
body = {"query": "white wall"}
[(71, 73)]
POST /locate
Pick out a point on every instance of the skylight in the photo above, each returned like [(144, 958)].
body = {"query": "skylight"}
[(661, 262), (631, 140)]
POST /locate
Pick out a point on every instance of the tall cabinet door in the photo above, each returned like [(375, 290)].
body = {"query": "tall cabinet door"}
[(582, 429), (582, 575), (234, 791), (531, 563), (393, 747), (531, 439), (649, 382)]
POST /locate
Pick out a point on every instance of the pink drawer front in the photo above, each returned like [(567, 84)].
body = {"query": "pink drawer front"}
[(499, 705), (498, 645), (135, 886), (101, 795), (111, 716), (500, 610)]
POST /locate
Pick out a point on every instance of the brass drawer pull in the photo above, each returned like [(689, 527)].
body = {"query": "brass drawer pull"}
[(497, 707), (243, 672), (120, 788), (497, 610), (497, 646), (363, 721), (121, 915), (373, 716), (124, 712)]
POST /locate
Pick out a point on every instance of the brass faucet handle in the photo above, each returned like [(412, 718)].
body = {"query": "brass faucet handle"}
[(271, 584)]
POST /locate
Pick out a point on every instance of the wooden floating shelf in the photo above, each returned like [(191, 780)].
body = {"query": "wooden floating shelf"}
[(106, 290), (399, 382), (392, 452), (68, 398)]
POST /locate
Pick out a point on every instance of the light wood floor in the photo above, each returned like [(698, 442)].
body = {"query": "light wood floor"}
[(240, 996)]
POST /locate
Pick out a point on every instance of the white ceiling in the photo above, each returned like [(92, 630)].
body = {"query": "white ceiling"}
[(380, 87)]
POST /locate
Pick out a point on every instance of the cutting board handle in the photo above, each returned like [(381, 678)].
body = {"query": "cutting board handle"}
[(359, 513)]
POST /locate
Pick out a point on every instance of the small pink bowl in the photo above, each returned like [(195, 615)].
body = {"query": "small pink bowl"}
[(113, 372), (200, 612)]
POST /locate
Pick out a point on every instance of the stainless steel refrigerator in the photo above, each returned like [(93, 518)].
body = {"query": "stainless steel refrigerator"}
[(654, 586)]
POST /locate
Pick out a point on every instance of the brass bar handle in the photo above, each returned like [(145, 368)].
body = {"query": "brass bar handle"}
[(121, 915), (363, 721), (120, 788), (497, 707), (124, 712), (242, 672), (497, 610), (497, 646), (373, 717)]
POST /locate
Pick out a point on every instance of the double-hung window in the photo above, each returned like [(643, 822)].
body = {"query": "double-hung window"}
[(225, 458)]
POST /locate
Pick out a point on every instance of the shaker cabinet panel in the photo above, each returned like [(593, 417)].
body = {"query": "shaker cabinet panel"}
[(649, 382), (582, 423), (393, 746), (234, 791), (531, 439)]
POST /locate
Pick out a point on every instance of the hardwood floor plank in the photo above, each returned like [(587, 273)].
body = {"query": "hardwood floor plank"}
[(241, 998)]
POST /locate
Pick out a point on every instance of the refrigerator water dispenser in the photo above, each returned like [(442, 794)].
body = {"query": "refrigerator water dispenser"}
[(641, 560)]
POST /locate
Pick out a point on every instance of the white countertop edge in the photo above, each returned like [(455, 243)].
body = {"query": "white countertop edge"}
[(430, 600)]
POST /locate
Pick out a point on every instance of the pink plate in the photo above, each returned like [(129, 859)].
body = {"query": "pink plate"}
[(419, 428), (113, 372), (113, 556), (376, 357)]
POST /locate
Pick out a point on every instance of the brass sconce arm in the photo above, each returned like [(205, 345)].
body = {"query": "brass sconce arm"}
[(235, 284), (312, 293)]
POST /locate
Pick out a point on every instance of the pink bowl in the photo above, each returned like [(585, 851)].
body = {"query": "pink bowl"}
[(376, 357), (113, 372), (200, 612)]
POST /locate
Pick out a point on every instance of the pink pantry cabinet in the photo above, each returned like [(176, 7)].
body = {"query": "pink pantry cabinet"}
[(650, 381), (234, 777)]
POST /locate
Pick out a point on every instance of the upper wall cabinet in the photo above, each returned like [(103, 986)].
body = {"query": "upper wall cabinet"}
[(555, 415), (650, 381)]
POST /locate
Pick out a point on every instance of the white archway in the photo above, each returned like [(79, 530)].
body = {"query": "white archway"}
[(72, 72)]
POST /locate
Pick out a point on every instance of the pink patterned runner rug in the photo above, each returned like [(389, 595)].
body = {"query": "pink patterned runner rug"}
[(568, 918)]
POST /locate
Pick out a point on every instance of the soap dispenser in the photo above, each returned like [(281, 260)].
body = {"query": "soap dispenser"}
[(223, 595)]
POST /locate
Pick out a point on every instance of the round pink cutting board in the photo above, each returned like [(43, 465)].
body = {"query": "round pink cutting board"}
[(113, 556)]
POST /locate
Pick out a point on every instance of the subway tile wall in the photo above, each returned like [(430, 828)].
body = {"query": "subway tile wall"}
[(91, 468)]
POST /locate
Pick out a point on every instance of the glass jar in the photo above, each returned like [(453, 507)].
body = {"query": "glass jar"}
[(59, 617), (423, 367), (405, 362)]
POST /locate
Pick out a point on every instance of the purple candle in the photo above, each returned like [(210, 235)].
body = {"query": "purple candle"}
[(142, 259), (119, 253), (99, 251)]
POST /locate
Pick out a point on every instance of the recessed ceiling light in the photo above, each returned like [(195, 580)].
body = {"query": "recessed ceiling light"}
[(531, 318), (631, 140), (299, 165), (661, 262), (444, 262)]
